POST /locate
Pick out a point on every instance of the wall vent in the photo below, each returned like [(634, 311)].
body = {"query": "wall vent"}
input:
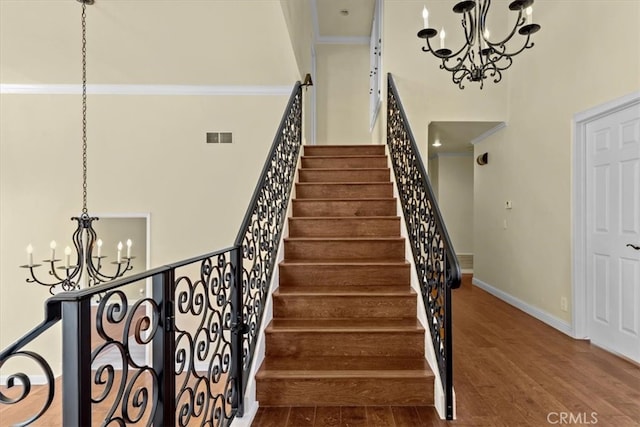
[(213, 137), (219, 137), (226, 137)]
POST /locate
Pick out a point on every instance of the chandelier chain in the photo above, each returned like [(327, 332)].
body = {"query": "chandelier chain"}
[(84, 108)]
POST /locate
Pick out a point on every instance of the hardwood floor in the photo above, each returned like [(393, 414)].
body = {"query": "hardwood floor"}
[(509, 370)]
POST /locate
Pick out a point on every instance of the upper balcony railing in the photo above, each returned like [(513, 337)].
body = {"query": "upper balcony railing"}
[(435, 260), (179, 356)]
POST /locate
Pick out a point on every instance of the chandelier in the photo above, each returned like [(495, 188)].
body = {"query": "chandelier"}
[(480, 57), (67, 276)]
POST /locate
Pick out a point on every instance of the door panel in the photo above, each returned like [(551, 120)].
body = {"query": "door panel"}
[(613, 222)]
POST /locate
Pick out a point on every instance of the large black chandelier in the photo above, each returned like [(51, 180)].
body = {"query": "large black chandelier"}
[(65, 275), (480, 57)]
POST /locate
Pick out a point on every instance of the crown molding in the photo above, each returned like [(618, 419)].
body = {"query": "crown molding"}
[(343, 40), (488, 133), (129, 89)]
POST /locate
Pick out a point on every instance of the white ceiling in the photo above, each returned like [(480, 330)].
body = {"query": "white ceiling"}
[(333, 24), (456, 137)]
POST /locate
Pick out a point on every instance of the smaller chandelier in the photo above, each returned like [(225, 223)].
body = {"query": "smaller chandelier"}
[(65, 275), (480, 57)]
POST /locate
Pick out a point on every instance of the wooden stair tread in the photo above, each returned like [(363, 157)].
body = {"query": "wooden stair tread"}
[(345, 182), (343, 170), (328, 363), (319, 290), (350, 199), (379, 373), (330, 261), (350, 239), (347, 156), (345, 325), (345, 218)]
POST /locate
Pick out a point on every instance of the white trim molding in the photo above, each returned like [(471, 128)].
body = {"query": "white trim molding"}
[(488, 133), (342, 40), (579, 209), (539, 314), (127, 89)]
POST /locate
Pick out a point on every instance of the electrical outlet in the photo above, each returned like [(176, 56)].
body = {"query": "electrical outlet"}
[(504, 224), (563, 304)]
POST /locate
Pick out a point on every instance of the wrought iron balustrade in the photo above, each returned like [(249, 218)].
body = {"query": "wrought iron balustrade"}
[(261, 229), (180, 355), (435, 261)]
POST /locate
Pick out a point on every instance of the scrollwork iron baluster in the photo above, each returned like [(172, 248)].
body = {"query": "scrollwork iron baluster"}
[(437, 267)]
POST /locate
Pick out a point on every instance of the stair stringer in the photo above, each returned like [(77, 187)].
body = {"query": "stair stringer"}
[(251, 403), (430, 355)]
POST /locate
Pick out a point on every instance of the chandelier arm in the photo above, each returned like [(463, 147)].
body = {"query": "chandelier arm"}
[(519, 23), (459, 75), (459, 64), (527, 45), (495, 63), (467, 45), (469, 32), (34, 279)]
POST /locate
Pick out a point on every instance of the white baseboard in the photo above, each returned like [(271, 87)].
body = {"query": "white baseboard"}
[(541, 315), (249, 414)]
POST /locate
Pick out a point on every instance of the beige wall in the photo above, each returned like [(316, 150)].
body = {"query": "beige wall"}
[(455, 198), (343, 94), (147, 154), (232, 42), (530, 161), (297, 14)]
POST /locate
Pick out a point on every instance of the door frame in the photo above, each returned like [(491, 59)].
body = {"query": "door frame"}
[(579, 216)]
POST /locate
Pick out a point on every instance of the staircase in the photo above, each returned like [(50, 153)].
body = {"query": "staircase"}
[(344, 331)]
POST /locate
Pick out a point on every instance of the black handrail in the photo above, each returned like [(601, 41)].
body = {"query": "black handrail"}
[(435, 260)]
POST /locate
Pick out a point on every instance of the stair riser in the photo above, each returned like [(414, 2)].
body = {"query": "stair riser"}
[(344, 227), (344, 249), (344, 191), (351, 175), (358, 150), (348, 391), (345, 275), (344, 208), (304, 344), (351, 306), (344, 162)]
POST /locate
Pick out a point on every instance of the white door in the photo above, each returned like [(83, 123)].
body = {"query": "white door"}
[(613, 230)]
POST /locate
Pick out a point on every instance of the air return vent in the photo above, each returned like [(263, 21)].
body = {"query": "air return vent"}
[(219, 137)]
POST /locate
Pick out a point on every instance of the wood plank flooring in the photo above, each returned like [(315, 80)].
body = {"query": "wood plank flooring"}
[(509, 370)]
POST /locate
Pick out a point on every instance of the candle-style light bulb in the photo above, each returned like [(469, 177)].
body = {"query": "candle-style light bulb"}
[(425, 17), (442, 36), (129, 244), (29, 255), (529, 12), (485, 35), (119, 257), (53, 245), (99, 243), (67, 257)]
